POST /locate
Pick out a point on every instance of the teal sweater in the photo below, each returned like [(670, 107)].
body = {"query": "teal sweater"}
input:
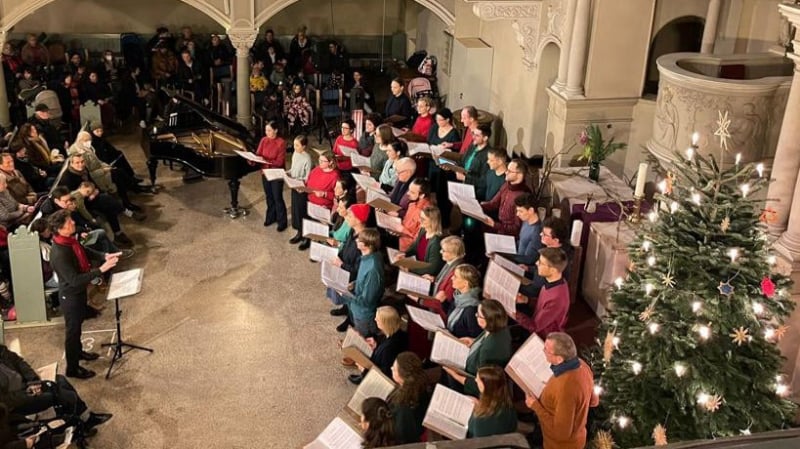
[(476, 166), (369, 288), (487, 349), (503, 421)]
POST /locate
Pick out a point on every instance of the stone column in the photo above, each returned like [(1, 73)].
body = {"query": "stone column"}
[(576, 72), (782, 193), (563, 58), (242, 40), (5, 115), (710, 30)]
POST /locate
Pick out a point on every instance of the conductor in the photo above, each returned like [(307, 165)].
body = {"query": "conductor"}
[(71, 263)]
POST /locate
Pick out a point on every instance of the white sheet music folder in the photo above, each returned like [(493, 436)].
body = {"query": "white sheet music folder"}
[(125, 283)]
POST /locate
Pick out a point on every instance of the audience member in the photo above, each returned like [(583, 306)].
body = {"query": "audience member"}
[(220, 57), (99, 93), (12, 213), (71, 262), (33, 53), (191, 77), (299, 45), (273, 149), (494, 413), (18, 186), (38, 152), (563, 406), (42, 121), (36, 177), (296, 108)]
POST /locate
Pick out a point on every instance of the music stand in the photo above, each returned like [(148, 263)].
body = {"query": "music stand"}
[(125, 283)]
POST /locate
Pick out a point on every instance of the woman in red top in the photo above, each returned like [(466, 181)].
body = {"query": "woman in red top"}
[(273, 149), (321, 183), (424, 122), (345, 140)]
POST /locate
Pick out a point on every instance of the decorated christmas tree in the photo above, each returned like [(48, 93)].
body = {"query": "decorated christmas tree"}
[(689, 350)]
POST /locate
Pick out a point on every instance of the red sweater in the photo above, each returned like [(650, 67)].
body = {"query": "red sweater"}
[(422, 125), (343, 162), (466, 141), (551, 310), (274, 151), (319, 179), (503, 202)]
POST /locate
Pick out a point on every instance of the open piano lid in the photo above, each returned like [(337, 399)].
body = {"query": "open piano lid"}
[(215, 120)]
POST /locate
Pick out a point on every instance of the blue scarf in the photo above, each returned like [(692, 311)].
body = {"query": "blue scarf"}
[(461, 302), (565, 366)]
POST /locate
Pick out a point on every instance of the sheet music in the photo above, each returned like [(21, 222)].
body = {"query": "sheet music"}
[(374, 385), (418, 148), (373, 195), (337, 435), (359, 160), (366, 182), (346, 151), (353, 339), (251, 156), (501, 285), (459, 189), (509, 265), (274, 174), (389, 222), (335, 277), (427, 320), (125, 283), (529, 367), (322, 253), (437, 150), (449, 412), (293, 183), (449, 351), (319, 213), (471, 207), (397, 131), (413, 283), (498, 243), (311, 227), (394, 254)]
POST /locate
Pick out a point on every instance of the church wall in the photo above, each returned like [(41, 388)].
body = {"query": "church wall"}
[(362, 18), (669, 10), (430, 36), (96, 16)]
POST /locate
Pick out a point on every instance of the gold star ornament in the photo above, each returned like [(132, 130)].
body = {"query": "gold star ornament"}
[(648, 312), (740, 336), (713, 403), (725, 225), (603, 440), (668, 281), (723, 123), (660, 435), (780, 332)]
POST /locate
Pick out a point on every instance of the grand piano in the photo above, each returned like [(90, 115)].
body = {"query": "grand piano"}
[(204, 142)]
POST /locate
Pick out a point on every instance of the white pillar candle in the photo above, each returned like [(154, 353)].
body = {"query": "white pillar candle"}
[(641, 179)]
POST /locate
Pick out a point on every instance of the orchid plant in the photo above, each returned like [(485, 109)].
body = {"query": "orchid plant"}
[(595, 149)]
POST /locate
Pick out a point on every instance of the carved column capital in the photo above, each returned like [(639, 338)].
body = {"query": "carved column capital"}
[(242, 41), (506, 9)]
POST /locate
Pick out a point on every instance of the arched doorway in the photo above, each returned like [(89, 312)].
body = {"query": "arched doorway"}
[(548, 72), (440, 10), (684, 34)]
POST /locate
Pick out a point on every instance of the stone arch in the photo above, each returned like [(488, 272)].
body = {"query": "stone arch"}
[(547, 40), (434, 6), (680, 35), (31, 6)]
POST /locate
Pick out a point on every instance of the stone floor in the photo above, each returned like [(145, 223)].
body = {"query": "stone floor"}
[(245, 351)]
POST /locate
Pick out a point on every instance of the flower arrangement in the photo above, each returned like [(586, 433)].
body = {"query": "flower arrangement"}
[(595, 149)]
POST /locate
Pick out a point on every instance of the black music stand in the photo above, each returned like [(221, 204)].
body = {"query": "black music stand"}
[(125, 283)]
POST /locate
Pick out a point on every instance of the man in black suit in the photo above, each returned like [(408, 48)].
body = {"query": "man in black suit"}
[(70, 261)]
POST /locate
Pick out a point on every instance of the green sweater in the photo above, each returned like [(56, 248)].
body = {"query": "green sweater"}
[(493, 183), (433, 254), (408, 421), (488, 349), (476, 166), (503, 421)]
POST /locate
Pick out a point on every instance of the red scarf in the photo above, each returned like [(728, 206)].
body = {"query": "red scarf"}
[(83, 261)]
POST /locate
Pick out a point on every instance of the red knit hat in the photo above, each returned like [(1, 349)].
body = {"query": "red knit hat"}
[(360, 211)]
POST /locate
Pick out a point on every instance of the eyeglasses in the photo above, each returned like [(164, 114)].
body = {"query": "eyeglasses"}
[(323, 161)]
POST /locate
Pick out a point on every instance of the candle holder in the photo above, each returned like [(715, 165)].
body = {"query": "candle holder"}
[(636, 214)]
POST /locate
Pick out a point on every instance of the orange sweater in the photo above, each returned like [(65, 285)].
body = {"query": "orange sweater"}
[(563, 407)]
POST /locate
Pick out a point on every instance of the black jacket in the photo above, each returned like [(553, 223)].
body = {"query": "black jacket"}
[(54, 139), (350, 256), (12, 363), (71, 282), (387, 350)]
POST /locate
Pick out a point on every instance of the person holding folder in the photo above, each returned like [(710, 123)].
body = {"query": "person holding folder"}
[(453, 252), (386, 346), (273, 149), (349, 259), (552, 306), (300, 169), (491, 347), (555, 234), (410, 400), (427, 246), (369, 283), (462, 321), (494, 413), (321, 184), (419, 193)]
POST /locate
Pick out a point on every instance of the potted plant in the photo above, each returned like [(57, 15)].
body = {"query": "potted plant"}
[(595, 149)]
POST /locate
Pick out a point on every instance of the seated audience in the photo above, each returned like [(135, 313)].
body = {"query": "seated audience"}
[(494, 413), (391, 341), (508, 223), (95, 91), (47, 130), (377, 424), (35, 176), (296, 108), (190, 77), (367, 99), (164, 65), (369, 283), (491, 347), (33, 53), (552, 306), (345, 144), (258, 84), (410, 400), (563, 406), (38, 151), (427, 247), (419, 193), (109, 154), (398, 107), (12, 213), (220, 57), (18, 186)]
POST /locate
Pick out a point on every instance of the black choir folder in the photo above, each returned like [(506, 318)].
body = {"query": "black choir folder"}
[(529, 367), (448, 413)]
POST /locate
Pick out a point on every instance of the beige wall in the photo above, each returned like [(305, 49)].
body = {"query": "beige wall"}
[(349, 17), (97, 16), (611, 71), (430, 36)]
